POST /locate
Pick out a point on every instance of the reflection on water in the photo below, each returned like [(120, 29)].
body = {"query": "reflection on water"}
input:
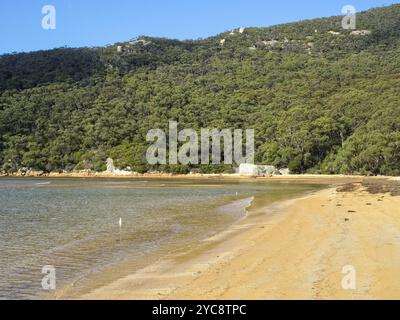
[(73, 223)]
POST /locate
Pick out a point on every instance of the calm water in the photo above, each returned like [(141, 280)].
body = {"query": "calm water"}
[(72, 224)]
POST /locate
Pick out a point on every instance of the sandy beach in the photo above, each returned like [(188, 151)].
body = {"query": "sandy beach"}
[(295, 249)]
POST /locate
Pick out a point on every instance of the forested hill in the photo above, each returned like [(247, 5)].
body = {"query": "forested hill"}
[(320, 98)]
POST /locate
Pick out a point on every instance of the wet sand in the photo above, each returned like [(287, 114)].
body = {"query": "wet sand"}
[(295, 249)]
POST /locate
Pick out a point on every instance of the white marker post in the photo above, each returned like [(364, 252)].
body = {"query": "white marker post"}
[(120, 228)]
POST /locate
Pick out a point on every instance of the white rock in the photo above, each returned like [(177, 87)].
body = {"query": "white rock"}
[(142, 41), (360, 33), (284, 172), (257, 170), (117, 172), (270, 43), (248, 169)]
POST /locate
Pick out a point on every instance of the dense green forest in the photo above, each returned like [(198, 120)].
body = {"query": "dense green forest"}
[(321, 99)]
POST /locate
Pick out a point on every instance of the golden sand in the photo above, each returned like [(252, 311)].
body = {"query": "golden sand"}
[(295, 249)]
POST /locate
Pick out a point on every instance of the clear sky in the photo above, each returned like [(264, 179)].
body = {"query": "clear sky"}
[(101, 22)]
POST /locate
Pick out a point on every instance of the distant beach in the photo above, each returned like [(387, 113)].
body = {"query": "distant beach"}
[(312, 178)]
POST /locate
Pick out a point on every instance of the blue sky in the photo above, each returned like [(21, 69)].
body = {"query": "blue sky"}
[(101, 22)]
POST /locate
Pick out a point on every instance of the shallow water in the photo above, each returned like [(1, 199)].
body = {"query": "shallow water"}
[(72, 224)]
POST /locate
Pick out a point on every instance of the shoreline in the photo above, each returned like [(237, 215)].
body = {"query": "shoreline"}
[(189, 262), (80, 287), (107, 275), (320, 178), (292, 249)]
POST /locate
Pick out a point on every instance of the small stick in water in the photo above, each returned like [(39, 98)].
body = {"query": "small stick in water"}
[(120, 228)]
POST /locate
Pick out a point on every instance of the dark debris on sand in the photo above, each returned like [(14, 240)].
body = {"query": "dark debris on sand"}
[(382, 186), (348, 187), (374, 186)]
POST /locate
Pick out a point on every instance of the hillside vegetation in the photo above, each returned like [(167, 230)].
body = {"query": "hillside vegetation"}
[(320, 99)]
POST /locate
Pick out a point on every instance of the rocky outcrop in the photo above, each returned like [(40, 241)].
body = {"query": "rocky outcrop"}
[(284, 171), (360, 33), (111, 169), (270, 43), (258, 170)]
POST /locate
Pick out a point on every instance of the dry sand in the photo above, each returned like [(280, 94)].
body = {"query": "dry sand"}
[(291, 250)]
